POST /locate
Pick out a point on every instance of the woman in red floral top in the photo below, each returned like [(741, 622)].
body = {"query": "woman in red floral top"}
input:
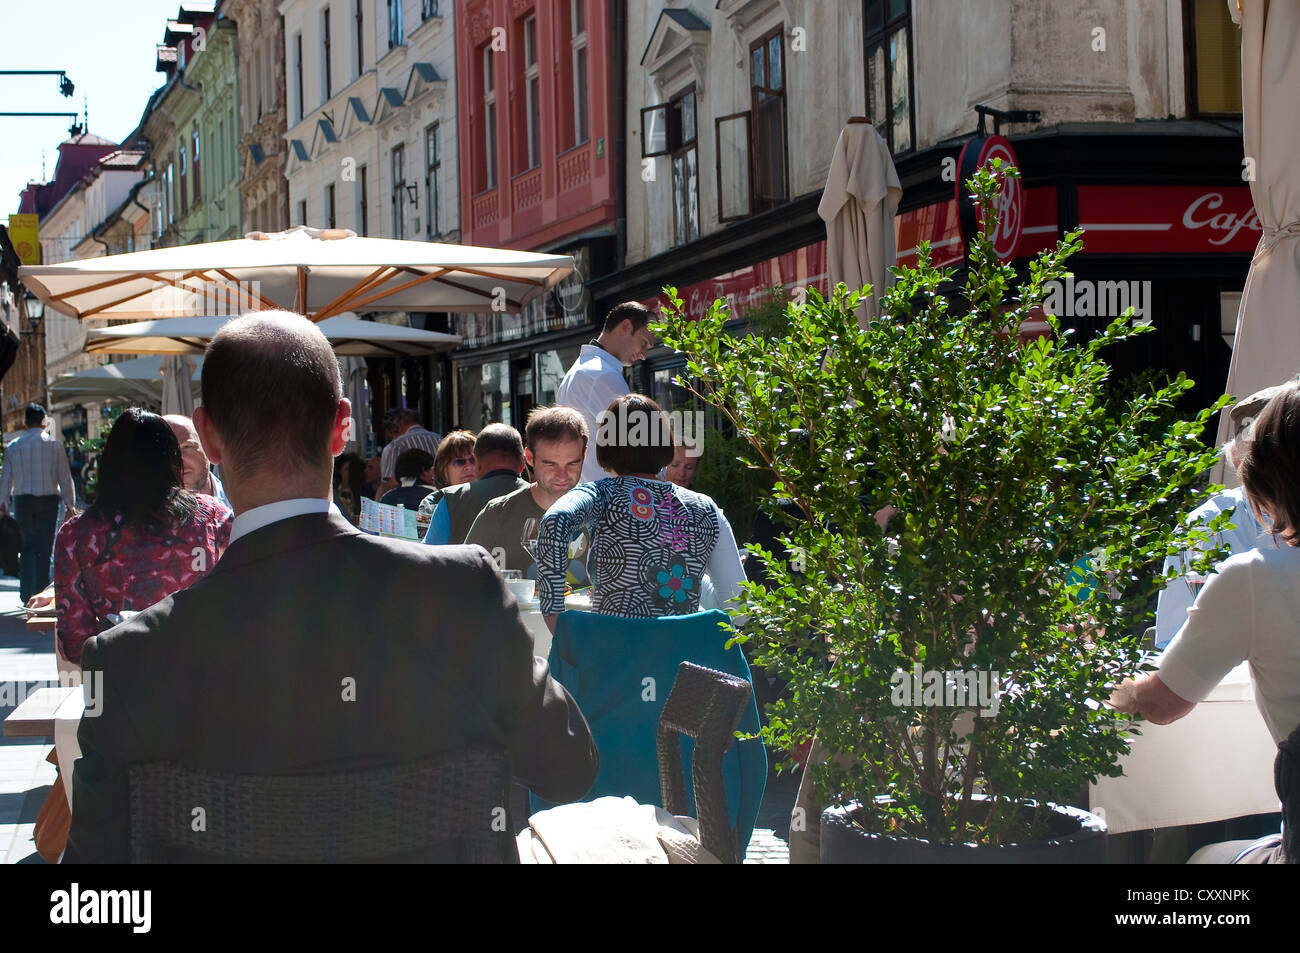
[(143, 538)]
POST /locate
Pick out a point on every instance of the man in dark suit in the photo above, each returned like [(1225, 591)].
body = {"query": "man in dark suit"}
[(312, 647)]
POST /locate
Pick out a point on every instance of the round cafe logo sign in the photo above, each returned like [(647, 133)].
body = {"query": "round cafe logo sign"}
[(1011, 200)]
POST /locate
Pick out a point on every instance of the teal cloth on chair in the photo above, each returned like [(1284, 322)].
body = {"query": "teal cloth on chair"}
[(605, 661)]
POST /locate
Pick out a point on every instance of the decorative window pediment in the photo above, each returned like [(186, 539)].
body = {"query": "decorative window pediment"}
[(355, 117), (390, 100), (742, 15), (678, 44), (298, 156), (322, 139), (423, 78)]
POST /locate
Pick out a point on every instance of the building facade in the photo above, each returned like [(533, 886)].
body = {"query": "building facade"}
[(734, 109), (263, 119), (540, 140), (372, 146), (72, 231)]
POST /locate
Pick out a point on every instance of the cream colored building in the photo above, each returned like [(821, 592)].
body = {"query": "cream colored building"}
[(371, 140), (72, 232)]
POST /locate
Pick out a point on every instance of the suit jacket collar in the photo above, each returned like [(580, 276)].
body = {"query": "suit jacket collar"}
[(285, 536)]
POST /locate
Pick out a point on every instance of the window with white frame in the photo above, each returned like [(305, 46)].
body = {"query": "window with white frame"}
[(532, 93), (886, 34), (399, 190), (578, 45), (433, 181), (668, 129)]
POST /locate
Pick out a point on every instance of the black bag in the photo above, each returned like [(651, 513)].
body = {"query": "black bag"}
[(10, 542)]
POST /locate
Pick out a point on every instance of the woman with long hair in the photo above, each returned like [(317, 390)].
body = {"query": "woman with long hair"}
[(144, 538)]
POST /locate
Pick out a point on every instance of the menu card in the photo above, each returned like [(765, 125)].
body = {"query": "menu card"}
[(387, 520)]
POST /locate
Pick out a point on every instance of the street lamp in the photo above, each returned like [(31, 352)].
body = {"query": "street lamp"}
[(413, 193), (35, 310)]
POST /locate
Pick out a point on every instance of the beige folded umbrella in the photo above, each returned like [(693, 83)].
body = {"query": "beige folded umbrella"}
[(1266, 349), (858, 206), (349, 336), (317, 272)]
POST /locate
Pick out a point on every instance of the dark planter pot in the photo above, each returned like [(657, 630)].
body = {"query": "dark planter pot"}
[(1078, 838)]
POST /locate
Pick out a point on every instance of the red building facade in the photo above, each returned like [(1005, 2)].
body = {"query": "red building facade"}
[(535, 121), (538, 130)]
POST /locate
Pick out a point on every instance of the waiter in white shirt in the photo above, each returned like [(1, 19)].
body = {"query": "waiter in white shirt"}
[(596, 377)]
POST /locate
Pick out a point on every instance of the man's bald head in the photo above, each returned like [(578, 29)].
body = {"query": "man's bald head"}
[(197, 477), (271, 391)]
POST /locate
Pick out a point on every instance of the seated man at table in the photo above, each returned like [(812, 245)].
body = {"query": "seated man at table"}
[(1249, 609), (414, 472), (311, 646), (499, 456), (555, 445)]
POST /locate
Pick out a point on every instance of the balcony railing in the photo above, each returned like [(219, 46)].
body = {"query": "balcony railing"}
[(575, 167), (526, 189), (485, 208)]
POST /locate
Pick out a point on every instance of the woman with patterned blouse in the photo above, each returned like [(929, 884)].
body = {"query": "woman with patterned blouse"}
[(144, 538), (651, 542)]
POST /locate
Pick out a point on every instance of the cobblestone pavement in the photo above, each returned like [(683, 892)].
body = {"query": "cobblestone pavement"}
[(26, 663), (770, 842)]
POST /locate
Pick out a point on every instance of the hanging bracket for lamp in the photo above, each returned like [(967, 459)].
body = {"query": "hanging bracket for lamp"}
[(1004, 115)]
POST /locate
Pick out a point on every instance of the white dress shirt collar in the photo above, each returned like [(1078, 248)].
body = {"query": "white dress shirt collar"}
[(260, 516)]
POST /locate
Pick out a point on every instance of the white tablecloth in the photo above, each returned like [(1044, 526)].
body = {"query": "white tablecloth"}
[(536, 624), (1213, 764)]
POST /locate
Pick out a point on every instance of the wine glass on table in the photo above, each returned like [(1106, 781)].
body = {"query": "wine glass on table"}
[(528, 538)]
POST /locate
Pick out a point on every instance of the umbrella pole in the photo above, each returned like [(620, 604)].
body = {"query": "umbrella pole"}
[(301, 303)]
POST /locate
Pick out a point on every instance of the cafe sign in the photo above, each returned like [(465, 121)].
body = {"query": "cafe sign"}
[(978, 152)]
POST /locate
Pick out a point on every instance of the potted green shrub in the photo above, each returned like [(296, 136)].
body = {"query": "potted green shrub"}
[(955, 661)]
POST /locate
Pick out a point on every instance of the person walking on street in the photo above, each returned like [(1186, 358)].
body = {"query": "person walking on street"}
[(596, 377), (37, 476)]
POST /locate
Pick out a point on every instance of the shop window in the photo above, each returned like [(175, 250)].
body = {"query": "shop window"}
[(1213, 56), (551, 367), (887, 36), (669, 130)]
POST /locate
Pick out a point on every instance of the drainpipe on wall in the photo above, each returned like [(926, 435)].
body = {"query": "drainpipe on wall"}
[(618, 59)]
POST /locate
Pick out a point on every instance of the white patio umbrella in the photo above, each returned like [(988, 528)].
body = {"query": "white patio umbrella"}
[(177, 395), (137, 380), (317, 272), (349, 336), (1266, 349), (858, 207)]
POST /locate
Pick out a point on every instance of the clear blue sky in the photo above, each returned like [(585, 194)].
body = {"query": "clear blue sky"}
[(107, 49)]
